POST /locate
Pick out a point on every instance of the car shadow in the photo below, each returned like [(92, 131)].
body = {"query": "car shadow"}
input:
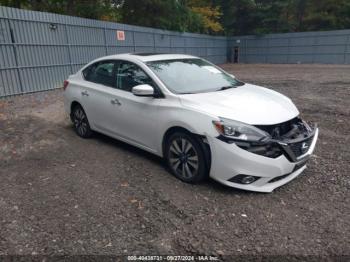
[(209, 184), (129, 148)]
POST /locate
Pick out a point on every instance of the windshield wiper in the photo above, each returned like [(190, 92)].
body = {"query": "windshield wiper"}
[(225, 87), (239, 83)]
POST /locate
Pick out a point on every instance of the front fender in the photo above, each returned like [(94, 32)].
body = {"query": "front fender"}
[(195, 122)]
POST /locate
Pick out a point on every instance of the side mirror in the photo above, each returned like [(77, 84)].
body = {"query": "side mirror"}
[(143, 90)]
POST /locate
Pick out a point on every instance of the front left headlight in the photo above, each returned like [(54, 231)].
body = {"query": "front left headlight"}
[(240, 131)]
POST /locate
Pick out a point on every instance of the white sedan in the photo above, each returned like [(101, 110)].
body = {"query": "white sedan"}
[(201, 119)]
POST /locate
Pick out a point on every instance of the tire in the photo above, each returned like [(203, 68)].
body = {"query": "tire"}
[(81, 122), (185, 157)]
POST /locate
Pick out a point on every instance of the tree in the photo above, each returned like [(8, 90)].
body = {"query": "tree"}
[(13, 3), (275, 16), (170, 14), (234, 17), (326, 15), (239, 16), (209, 14)]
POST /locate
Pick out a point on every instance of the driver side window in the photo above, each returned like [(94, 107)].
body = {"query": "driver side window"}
[(130, 75)]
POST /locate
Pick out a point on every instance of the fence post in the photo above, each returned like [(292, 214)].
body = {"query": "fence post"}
[(133, 41), (170, 43), (154, 42), (288, 54), (206, 48), (105, 36), (14, 46), (314, 46), (346, 47), (245, 50), (69, 50), (267, 48)]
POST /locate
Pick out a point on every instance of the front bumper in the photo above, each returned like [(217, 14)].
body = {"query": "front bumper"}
[(229, 160)]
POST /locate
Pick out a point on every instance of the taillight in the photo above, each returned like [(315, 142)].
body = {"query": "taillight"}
[(65, 84)]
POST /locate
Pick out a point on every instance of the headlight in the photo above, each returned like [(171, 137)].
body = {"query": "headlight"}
[(240, 131)]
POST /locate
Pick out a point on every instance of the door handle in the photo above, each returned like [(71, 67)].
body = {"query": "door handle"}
[(85, 93), (115, 102)]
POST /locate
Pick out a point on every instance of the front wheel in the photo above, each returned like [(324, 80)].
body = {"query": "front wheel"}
[(185, 157), (81, 122)]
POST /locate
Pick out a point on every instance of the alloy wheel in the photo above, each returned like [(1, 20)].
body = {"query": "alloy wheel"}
[(80, 121), (183, 158)]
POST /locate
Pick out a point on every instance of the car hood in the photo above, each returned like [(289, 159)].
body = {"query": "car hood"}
[(249, 104)]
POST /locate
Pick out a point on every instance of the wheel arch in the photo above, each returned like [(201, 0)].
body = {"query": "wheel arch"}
[(200, 138), (73, 104)]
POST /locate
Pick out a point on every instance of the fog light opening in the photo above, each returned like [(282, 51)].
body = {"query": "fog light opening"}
[(244, 179), (248, 180)]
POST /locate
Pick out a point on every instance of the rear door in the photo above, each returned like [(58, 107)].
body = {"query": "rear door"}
[(99, 96)]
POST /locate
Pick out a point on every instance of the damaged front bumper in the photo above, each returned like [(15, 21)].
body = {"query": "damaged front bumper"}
[(270, 164), (300, 148), (296, 142)]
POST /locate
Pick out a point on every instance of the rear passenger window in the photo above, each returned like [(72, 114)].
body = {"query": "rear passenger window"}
[(101, 73)]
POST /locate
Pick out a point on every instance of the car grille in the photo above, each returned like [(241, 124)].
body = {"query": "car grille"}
[(293, 151), (294, 137), (302, 147), (273, 150)]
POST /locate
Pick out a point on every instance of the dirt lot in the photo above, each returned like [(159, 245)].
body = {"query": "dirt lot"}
[(60, 194)]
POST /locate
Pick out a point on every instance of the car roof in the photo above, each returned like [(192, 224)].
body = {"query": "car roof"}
[(147, 57)]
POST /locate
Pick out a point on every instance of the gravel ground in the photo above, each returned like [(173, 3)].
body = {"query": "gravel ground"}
[(63, 195)]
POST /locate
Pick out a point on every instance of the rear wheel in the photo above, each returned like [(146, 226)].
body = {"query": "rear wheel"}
[(185, 157), (81, 122)]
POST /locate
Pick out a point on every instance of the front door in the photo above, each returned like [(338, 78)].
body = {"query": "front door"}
[(137, 116)]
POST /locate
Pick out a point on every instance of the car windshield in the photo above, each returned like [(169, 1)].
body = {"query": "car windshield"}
[(190, 76)]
